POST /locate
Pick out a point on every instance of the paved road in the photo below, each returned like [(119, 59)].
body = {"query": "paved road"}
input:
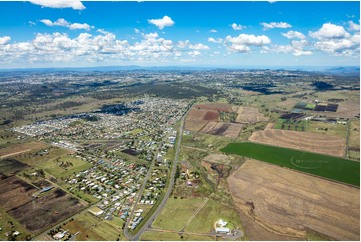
[(170, 187), (139, 195)]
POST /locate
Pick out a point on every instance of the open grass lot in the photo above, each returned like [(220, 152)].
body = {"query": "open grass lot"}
[(176, 213), (21, 148), (37, 160), (173, 236), (53, 166), (292, 203), (93, 228), (327, 128), (212, 211), (333, 168), (354, 140)]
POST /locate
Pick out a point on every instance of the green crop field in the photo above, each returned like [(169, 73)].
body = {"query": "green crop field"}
[(330, 167)]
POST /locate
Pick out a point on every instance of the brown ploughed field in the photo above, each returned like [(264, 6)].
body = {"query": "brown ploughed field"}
[(290, 203), (312, 142)]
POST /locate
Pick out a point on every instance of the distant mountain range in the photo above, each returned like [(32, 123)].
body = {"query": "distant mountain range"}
[(342, 71)]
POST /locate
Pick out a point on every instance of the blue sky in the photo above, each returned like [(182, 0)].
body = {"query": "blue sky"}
[(67, 33)]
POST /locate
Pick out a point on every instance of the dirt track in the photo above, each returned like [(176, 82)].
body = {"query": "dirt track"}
[(318, 143), (289, 203)]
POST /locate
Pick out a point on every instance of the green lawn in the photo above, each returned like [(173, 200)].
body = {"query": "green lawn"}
[(334, 168)]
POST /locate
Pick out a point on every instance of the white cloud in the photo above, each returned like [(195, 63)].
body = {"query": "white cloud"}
[(212, 40), (341, 46), (198, 46), (296, 48), (213, 31), (335, 40), (47, 22), (80, 26), (194, 53), (272, 25), (136, 31), (329, 31), (243, 42), (237, 26), (353, 26), (4, 40), (62, 22), (293, 35), (161, 23), (74, 4), (183, 44)]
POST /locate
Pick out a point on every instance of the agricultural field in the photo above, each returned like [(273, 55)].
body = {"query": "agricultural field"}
[(47, 210), (230, 130), (219, 107), (292, 203), (205, 118), (334, 168), (14, 192), (8, 226), (250, 115), (305, 141), (290, 124)]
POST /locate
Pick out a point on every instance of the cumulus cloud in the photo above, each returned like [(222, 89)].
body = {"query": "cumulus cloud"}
[(335, 40), (293, 35), (80, 26), (4, 40), (62, 22), (296, 47), (353, 26), (198, 46), (243, 42), (213, 31), (194, 53), (59, 22), (237, 26), (74, 4), (329, 31), (163, 22), (272, 25), (212, 40)]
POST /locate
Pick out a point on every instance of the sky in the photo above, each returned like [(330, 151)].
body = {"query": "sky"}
[(71, 33)]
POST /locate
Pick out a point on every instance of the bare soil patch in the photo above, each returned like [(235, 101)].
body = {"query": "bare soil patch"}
[(47, 210), (290, 203), (250, 115), (21, 148), (14, 192), (224, 107), (313, 142)]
